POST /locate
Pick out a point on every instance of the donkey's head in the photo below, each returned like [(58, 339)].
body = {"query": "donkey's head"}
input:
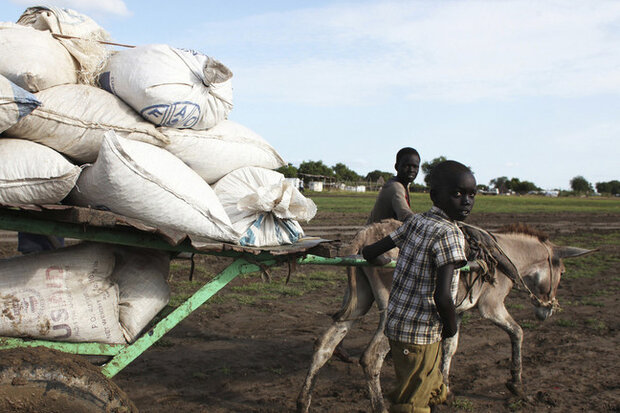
[(539, 263)]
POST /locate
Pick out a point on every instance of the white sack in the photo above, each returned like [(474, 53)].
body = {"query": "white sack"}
[(84, 45), (215, 152), (65, 294), (264, 206), (31, 173), (73, 118), (141, 276), (142, 181), (33, 59), (15, 103), (169, 86)]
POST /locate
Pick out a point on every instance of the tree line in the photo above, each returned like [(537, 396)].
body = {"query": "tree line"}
[(342, 173)]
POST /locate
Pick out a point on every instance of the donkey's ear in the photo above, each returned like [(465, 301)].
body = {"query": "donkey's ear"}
[(570, 252)]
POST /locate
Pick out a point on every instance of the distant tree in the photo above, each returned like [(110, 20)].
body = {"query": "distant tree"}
[(610, 187), (482, 187), (289, 171), (427, 167), (522, 187), (344, 174), (581, 185), (315, 168), (501, 183), (374, 175), (413, 187)]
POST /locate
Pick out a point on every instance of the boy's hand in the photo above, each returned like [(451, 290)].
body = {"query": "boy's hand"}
[(380, 260), (367, 253)]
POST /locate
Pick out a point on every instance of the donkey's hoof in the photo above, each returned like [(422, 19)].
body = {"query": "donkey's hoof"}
[(517, 390)]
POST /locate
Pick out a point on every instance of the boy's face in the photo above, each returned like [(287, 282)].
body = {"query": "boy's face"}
[(407, 168), (456, 198)]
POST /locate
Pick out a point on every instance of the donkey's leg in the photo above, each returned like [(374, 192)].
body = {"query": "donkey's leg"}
[(372, 361), (500, 317), (358, 301), (449, 346), (374, 354), (323, 349)]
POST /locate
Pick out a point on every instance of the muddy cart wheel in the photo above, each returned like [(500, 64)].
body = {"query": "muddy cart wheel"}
[(48, 381)]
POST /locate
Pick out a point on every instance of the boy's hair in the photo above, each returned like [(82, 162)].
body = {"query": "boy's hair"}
[(404, 152), (445, 171)]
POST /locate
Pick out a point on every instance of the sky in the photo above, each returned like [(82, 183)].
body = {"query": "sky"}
[(524, 89)]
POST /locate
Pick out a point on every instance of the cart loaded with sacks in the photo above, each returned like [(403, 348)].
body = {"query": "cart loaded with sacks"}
[(53, 371)]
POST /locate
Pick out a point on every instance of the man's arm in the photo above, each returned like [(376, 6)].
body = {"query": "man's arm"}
[(372, 251), (399, 202), (443, 300)]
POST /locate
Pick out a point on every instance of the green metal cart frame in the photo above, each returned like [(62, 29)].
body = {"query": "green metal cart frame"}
[(104, 227)]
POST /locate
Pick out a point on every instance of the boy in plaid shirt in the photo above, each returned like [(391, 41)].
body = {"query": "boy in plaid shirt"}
[(421, 307)]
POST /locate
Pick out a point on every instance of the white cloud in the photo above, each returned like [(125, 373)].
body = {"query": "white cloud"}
[(447, 51), (114, 7)]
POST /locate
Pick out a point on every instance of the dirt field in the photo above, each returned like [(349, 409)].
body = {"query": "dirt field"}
[(252, 357)]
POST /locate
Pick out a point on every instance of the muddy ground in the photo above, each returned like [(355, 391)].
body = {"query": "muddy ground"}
[(252, 356)]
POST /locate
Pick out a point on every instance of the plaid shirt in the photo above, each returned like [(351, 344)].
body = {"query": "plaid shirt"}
[(427, 241)]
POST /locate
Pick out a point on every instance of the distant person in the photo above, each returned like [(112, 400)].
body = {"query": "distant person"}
[(421, 310), (393, 199), (28, 243), (392, 202)]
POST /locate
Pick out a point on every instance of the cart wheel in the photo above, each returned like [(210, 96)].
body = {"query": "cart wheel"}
[(49, 381)]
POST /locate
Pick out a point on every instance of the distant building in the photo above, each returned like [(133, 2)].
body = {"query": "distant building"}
[(316, 186), (357, 188)]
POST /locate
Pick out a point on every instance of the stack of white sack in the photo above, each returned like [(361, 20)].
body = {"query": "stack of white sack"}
[(15, 103), (81, 36), (84, 293), (31, 173), (220, 150), (142, 279), (34, 59), (72, 119), (263, 206), (143, 181), (161, 96), (169, 86)]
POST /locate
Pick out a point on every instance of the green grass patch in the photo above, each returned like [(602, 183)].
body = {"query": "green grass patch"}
[(348, 202), (515, 306), (596, 325), (529, 325), (182, 291), (565, 323), (517, 405), (591, 302), (589, 266), (465, 318), (463, 404)]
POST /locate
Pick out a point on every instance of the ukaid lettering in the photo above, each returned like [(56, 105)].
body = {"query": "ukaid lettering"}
[(65, 294)]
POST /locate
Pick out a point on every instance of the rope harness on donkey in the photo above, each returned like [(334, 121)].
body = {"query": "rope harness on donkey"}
[(483, 248)]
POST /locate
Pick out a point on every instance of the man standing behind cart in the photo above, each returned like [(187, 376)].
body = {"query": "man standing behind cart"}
[(392, 202), (393, 199)]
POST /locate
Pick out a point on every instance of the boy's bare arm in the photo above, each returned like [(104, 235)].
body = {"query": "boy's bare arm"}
[(372, 251), (443, 300)]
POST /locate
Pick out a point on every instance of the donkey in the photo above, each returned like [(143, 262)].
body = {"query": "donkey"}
[(536, 265)]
